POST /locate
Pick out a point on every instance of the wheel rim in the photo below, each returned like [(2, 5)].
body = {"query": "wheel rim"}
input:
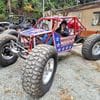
[(6, 53), (48, 71), (96, 49)]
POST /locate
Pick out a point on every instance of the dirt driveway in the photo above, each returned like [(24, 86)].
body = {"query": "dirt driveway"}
[(76, 79)]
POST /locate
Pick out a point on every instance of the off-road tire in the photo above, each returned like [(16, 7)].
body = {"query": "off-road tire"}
[(10, 32), (33, 69), (88, 46), (4, 39)]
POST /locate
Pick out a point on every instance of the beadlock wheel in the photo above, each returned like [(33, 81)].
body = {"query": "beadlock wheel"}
[(96, 49), (6, 56), (48, 71)]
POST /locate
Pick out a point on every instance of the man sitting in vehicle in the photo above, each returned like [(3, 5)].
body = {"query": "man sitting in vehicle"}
[(63, 30)]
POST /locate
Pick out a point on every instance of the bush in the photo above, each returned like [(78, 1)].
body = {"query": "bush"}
[(2, 17)]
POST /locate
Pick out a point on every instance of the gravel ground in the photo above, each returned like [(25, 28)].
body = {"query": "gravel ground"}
[(76, 79)]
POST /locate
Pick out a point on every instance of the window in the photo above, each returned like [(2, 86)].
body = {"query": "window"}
[(96, 19)]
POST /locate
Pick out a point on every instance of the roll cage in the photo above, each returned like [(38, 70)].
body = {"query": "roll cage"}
[(35, 35)]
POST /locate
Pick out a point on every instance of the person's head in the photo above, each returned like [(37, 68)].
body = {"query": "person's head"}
[(63, 24)]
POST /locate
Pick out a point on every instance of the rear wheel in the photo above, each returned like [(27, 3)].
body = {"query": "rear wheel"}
[(91, 47), (6, 56), (10, 32), (39, 70)]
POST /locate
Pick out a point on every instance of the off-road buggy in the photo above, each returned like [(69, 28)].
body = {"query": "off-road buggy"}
[(16, 22), (20, 22), (40, 46)]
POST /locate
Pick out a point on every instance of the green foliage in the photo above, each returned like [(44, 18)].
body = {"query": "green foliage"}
[(37, 5), (20, 3), (2, 7), (57, 4), (2, 11), (2, 17)]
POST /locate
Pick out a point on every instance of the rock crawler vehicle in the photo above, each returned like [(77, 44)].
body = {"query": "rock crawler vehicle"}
[(16, 22), (40, 46)]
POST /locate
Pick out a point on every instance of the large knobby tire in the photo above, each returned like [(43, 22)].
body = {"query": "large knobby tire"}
[(91, 47), (6, 56), (10, 32), (34, 79)]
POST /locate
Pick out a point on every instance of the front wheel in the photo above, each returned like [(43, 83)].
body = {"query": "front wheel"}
[(39, 70), (6, 56), (91, 47)]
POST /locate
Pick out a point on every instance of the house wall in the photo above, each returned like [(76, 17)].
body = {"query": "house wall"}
[(86, 17)]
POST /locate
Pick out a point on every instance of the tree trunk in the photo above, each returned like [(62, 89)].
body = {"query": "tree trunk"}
[(9, 6)]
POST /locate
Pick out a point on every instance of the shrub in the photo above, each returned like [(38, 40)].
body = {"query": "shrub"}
[(2, 17)]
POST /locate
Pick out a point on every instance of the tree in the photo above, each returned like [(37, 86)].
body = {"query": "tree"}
[(17, 6), (20, 3), (7, 4), (1, 7)]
